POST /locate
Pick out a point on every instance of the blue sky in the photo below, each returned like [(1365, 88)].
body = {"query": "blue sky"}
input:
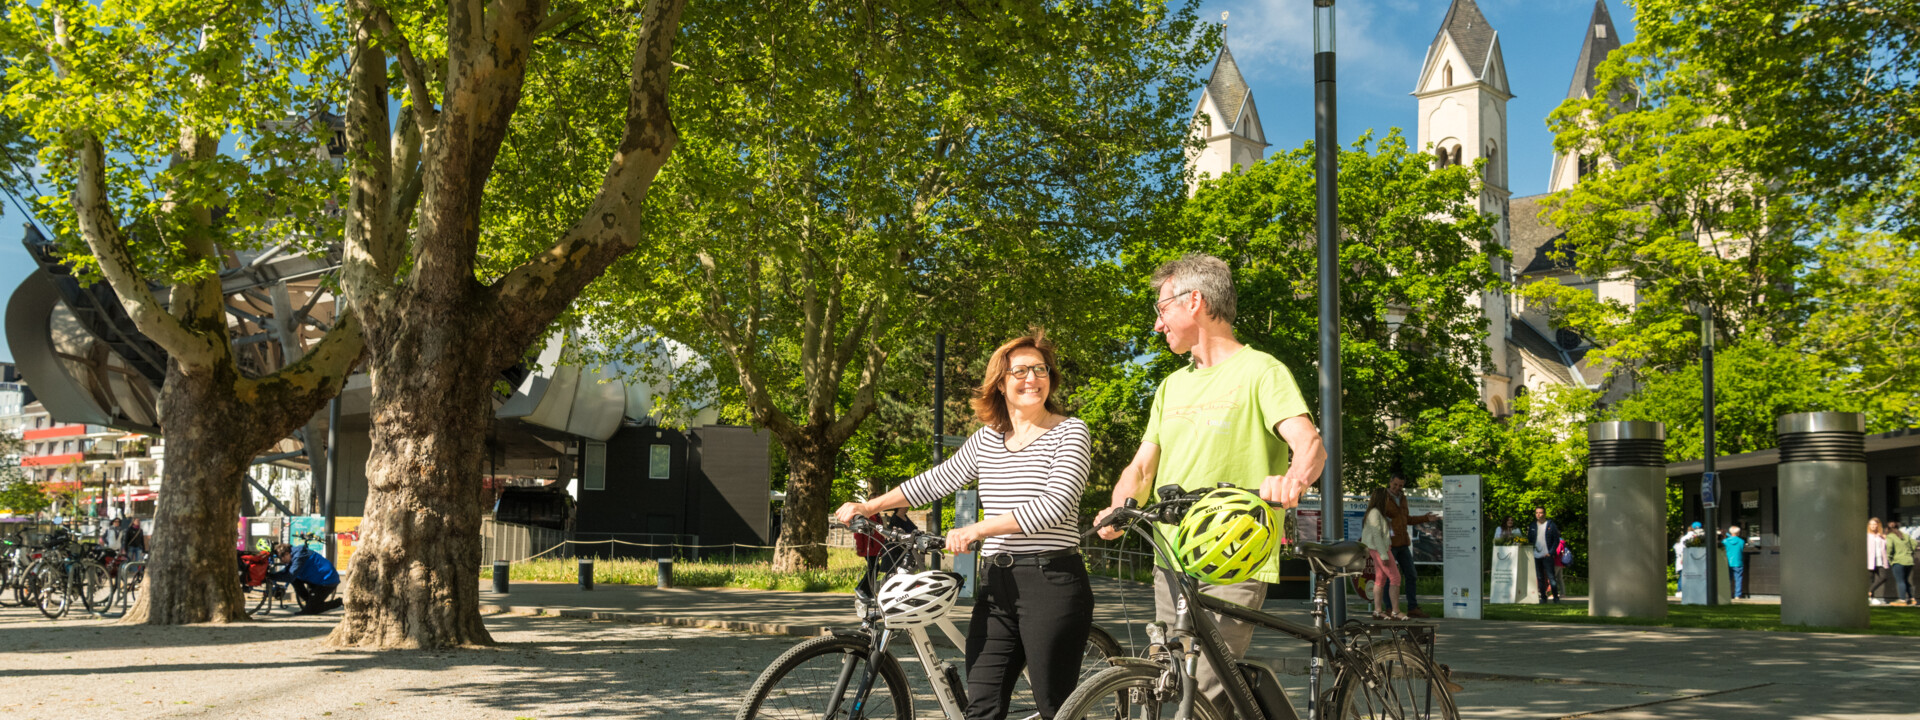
[(1380, 43)]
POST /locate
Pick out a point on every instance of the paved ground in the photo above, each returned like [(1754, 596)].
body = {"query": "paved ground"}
[(579, 667)]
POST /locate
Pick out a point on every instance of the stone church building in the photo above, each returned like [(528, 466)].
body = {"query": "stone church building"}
[(1461, 96)]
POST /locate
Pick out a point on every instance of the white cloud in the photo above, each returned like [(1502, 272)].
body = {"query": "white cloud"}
[(1375, 55)]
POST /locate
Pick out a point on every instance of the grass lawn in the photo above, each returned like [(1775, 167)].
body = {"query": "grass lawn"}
[(750, 571), (1882, 620)]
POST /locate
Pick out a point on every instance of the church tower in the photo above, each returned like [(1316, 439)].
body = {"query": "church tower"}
[(1463, 94), (1227, 121), (1601, 39)]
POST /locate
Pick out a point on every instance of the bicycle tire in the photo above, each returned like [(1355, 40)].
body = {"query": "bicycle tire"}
[(132, 575), (800, 683), (1100, 646), (8, 575), (1408, 687), (95, 587), (1129, 691), (54, 599), (262, 606), (26, 592)]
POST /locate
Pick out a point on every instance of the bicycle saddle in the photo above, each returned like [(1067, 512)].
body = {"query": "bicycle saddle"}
[(1345, 556)]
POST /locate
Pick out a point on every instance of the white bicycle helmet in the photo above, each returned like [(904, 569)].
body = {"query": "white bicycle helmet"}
[(911, 600)]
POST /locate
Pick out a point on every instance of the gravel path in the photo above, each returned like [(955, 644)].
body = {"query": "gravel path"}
[(543, 668)]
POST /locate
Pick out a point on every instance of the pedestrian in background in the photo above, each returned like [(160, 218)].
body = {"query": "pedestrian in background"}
[(1546, 542), (135, 541), (1900, 556), (1736, 560), (1376, 532), (1877, 562), (1506, 530), (1401, 516)]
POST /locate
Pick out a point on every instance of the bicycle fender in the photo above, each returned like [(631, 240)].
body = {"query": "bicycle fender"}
[(1124, 661)]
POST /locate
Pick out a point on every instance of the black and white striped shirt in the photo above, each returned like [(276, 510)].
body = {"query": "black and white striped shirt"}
[(1041, 485)]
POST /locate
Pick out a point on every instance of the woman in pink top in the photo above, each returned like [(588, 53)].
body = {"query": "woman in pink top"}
[(1878, 566)]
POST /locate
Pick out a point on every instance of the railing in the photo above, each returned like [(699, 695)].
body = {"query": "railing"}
[(511, 542)]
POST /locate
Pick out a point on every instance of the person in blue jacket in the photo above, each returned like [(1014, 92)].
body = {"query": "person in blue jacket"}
[(1736, 560), (312, 577)]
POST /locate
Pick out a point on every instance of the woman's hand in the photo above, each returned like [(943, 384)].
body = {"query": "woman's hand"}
[(962, 540), (849, 511)]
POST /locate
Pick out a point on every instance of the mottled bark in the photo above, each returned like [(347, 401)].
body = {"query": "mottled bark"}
[(415, 577), (191, 576), (803, 527)]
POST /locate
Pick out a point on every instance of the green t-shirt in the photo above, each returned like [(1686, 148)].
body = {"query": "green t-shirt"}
[(1216, 425)]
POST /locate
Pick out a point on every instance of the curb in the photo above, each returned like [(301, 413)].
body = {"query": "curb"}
[(762, 628)]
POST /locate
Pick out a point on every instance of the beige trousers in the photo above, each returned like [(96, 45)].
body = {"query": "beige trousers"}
[(1237, 633)]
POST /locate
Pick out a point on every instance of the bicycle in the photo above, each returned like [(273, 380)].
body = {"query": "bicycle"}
[(850, 674), (15, 556), (268, 593), (1379, 669), (71, 573)]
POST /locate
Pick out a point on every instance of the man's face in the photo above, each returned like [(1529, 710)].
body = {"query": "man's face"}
[(1397, 484), (1539, 514), (1177, 316)]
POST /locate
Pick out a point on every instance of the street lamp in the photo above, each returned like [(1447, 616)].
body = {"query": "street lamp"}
[(1326, 161), (1709, 480)]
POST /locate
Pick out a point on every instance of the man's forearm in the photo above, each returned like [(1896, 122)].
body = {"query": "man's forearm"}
[(1132, 479)]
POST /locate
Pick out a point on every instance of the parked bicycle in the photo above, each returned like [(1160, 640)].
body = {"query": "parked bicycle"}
[(67, 573), (1358, 670), (262, 593), (851, 674)]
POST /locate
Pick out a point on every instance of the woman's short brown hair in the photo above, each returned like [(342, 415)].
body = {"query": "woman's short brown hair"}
[(990, 399)]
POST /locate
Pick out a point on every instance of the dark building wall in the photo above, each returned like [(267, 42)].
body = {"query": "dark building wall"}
[(716, 488)]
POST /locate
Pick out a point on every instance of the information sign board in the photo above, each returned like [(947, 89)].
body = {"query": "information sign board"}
[(1460, 505)]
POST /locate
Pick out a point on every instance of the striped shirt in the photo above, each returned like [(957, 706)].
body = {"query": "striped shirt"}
[(1041, 485)]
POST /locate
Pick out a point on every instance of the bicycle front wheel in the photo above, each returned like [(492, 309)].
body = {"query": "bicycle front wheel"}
[(819, 679), (1406, 686), (1131, 692), (94, 587), (26, 590), (54, 598)]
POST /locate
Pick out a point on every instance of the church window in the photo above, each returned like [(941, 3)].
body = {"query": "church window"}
[(1456, 155), (1493, 163), (1588, 166), (1446, 75), (1600, 31), (1440, 157)]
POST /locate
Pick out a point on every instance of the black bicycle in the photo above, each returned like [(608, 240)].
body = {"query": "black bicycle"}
[(851, 674), (1378, 669)]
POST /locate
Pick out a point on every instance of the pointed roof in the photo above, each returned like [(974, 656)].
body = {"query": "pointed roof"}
[(1471, 33), (1228, 89), (1602, 39)]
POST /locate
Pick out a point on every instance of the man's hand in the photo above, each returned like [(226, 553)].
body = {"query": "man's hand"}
[(849, 511), (1107, 533), (1283, 490)]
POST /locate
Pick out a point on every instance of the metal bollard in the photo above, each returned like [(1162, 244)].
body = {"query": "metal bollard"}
[(586, 573), (1823, 506), (1626, 519), (666, 573), (500, 570)]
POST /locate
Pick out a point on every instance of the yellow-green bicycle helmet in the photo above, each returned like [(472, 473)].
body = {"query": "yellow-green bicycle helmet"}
[(1227, 536)]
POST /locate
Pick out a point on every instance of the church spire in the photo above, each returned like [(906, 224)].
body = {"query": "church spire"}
[(1228, 91), (1601, 39), (1227, 122), (1471, 33)]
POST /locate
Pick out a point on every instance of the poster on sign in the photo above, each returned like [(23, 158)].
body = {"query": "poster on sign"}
[(1460, 505)]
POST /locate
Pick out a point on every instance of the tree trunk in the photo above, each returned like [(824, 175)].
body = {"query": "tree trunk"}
[(415, 578), (191, 572), (809, 485)]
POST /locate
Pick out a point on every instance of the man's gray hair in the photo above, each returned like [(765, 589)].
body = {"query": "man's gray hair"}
[(1205, 273)]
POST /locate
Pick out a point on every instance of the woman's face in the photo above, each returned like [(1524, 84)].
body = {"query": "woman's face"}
[(1873, 526), (1028, 391)]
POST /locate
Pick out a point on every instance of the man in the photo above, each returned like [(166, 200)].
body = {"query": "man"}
[(312, 577), (1736, 560), (135, 541), (1235, 415), (1398, 514), (1546, 537)]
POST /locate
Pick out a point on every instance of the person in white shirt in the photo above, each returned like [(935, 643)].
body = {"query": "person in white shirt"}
[(1376, 532)]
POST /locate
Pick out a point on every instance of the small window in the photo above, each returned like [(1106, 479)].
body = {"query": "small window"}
[(1439, 157), (1446, 75), (659, 462), (1456, 155), (594, 475), (1600, 31)]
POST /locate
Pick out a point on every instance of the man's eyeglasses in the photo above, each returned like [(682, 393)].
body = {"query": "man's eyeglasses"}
[(1160, 308), (1022, 371)]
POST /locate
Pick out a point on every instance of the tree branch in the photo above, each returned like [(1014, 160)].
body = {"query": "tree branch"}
[(427, 114), (370, 257), (531, 295)]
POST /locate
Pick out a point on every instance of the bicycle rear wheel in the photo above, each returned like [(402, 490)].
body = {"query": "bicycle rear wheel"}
[(54, 597), (823, 674), (26, 591), (1407, 686), (1131, 692)]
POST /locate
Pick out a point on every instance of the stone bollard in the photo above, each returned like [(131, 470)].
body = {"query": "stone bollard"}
[(586, 573), (666, 573), (501, 569), (1823, 519), (1627, 519)]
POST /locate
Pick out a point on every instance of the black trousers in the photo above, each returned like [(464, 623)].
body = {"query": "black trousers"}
[(1033, 618), (314, 598)]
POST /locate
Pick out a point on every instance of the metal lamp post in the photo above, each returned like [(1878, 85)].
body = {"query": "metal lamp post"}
[(1709, 480), (1326, 162)]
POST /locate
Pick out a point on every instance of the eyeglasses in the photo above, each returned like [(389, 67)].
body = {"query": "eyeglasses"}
[(1160, 308), (1022, 371)]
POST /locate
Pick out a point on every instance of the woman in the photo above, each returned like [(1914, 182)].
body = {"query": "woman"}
[(1035, 607), (1877, 562), (1506, 531), (1900, 548), (1376, 532)]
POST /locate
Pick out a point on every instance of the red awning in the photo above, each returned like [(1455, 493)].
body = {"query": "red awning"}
[(45, 460)]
